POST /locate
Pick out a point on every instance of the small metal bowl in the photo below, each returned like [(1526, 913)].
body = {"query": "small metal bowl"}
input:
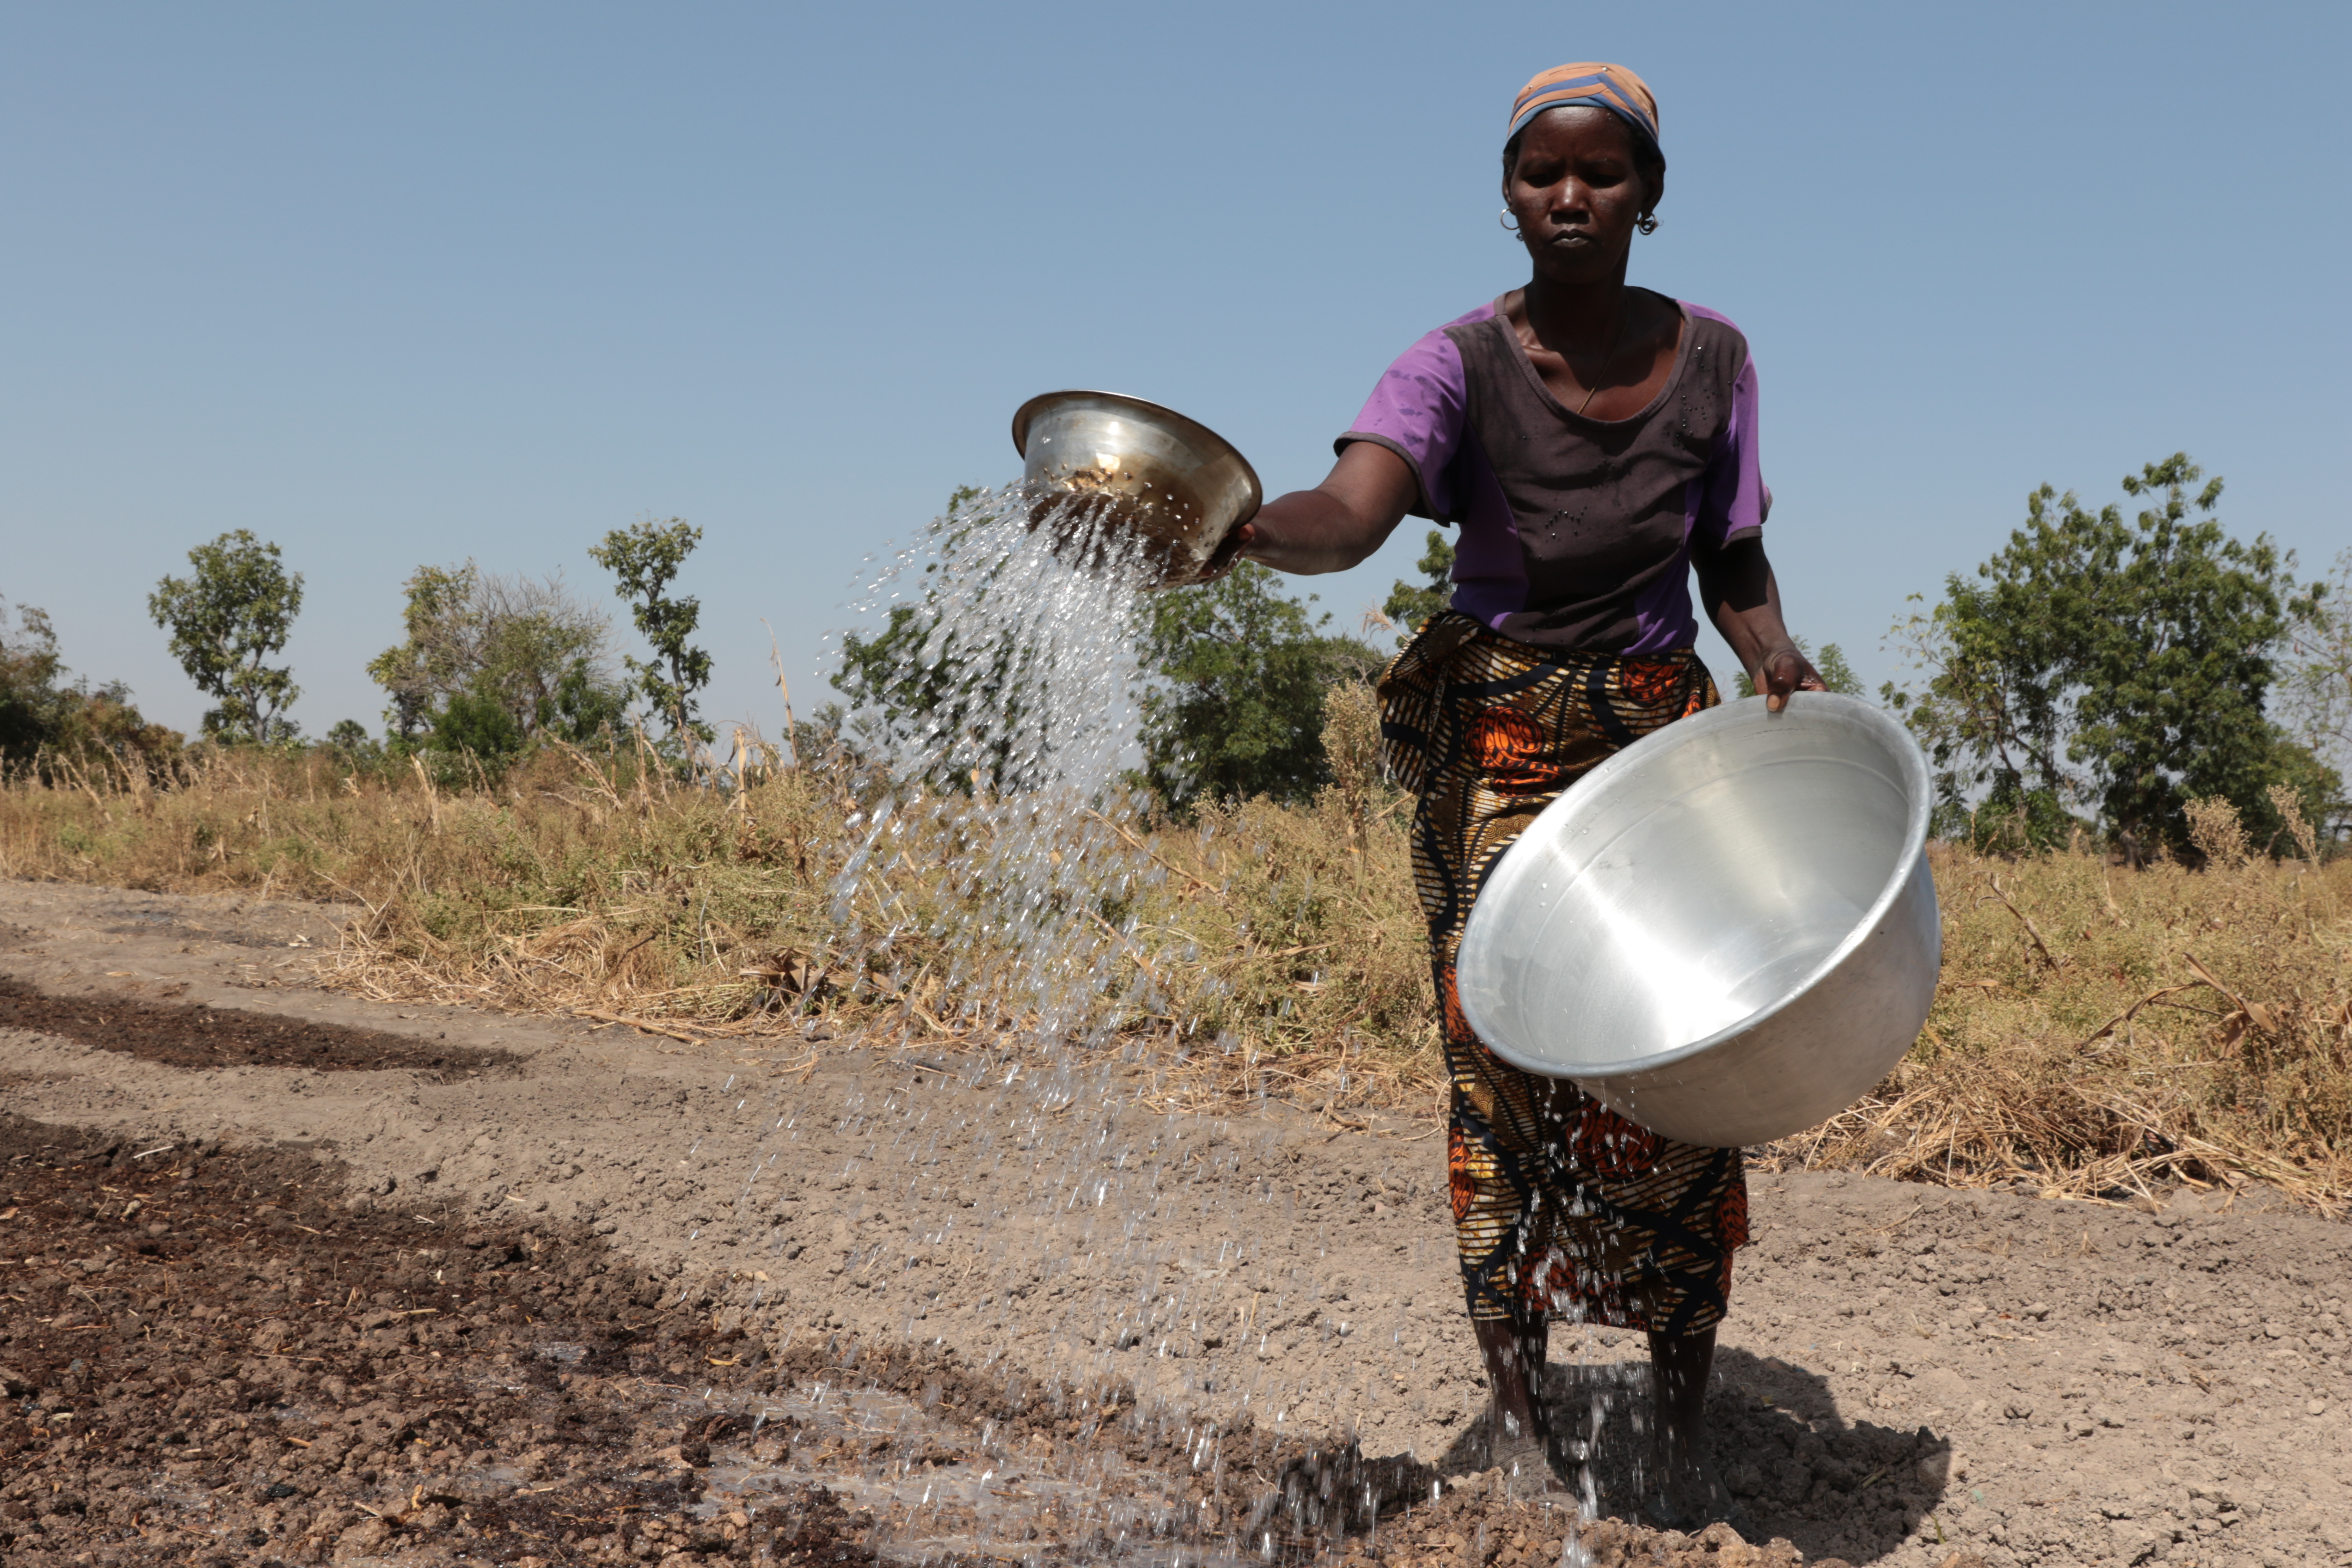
[(1170, 479), (1726, 932)]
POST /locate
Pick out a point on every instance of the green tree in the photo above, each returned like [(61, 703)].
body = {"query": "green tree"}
[(234, 613), (953, 695), (30, 669), (353, 748), (44, 721), (1239, 672), (527, 647), (585, 704), (470, 721), (435, 657), (644, 560), (916, 681), (1410, 605), (2316, 687), (2114, 666)]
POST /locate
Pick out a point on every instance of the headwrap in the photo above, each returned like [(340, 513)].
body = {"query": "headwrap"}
[(1593, 83)]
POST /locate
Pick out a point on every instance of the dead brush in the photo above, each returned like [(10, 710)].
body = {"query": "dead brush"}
[(2098, 1031), (610, 890)]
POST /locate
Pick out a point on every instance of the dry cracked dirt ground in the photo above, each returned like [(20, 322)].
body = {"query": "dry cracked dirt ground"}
[(293, 1278)]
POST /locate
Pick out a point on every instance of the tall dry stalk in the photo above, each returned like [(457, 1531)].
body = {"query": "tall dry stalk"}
[(2217, 832), (2289, 805), (2102, 1030), (2097, 1029)]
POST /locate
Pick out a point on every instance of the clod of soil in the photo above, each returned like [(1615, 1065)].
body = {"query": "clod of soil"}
[(1474, 1526), (179, 1033)]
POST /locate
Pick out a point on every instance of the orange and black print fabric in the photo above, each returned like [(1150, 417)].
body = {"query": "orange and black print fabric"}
[(1562, 1207)]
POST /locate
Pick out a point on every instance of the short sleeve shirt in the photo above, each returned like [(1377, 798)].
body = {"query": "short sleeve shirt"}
[(1575, 532)]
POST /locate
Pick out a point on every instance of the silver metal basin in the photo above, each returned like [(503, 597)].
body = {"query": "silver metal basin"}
[(1726, 932), (1174, 482)]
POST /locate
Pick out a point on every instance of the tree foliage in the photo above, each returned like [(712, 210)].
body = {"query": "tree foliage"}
[(2316, 687), (348, 739), (228, 618), (477, 725), (918, 683), (1410, 605), (954, 694), (1239, 674), (46, 722), (2113, 668), (491, 662), (644, 558)]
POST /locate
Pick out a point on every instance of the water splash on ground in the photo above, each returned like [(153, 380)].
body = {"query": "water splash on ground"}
[(993, 714)]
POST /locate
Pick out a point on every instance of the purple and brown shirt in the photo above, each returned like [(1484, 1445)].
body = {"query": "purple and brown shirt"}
[(1576, 532)]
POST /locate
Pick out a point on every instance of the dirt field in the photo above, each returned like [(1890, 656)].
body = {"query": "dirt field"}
[(293, 1278)]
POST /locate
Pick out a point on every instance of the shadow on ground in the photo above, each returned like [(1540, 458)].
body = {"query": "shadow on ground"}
[(1834, 1488)]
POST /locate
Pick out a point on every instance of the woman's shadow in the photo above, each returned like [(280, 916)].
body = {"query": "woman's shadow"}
[(1835, 1488)]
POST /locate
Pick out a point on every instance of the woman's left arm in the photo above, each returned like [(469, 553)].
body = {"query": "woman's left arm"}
[(1737, 585)]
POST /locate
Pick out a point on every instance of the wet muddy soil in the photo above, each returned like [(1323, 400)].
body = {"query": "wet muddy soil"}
[(213, 1356), (209, 1357), (191, 1035)]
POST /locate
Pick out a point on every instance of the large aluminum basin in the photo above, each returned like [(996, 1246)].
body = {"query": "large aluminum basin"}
[(1726, 932)]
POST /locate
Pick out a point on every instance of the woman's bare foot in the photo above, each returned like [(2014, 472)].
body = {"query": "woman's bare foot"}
[(1689, 1493), (1520, 1445), (1527, 1466)]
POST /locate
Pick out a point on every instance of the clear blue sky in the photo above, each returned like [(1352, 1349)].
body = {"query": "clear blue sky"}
[(411, 283)]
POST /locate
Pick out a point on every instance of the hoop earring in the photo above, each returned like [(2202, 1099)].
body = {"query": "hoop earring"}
[(1647, 223), (1504, 218)]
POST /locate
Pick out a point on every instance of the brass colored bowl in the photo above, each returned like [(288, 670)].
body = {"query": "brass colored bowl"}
[(1171, 480)]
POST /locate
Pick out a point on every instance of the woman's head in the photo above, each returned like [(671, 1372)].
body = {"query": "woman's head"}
[(1581, 166), (1593, 82)]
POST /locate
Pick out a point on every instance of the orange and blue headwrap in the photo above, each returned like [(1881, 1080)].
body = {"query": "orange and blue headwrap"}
[(1595, 84)]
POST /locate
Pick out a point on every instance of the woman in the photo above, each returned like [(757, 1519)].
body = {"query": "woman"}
[(1595, 443)]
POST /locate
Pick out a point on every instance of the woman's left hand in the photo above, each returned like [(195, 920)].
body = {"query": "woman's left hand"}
[(1783, 670)]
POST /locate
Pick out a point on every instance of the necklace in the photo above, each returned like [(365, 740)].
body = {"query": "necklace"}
[(1607, 355)]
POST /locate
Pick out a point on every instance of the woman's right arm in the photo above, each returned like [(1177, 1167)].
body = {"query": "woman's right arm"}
[(1335, 525)]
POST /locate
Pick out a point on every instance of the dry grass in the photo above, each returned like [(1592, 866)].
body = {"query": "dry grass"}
[(576, 884), (600, 888), (2098, 1031)]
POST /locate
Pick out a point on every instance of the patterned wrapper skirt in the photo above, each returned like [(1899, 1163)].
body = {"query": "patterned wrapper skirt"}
[(1562, 1209)]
